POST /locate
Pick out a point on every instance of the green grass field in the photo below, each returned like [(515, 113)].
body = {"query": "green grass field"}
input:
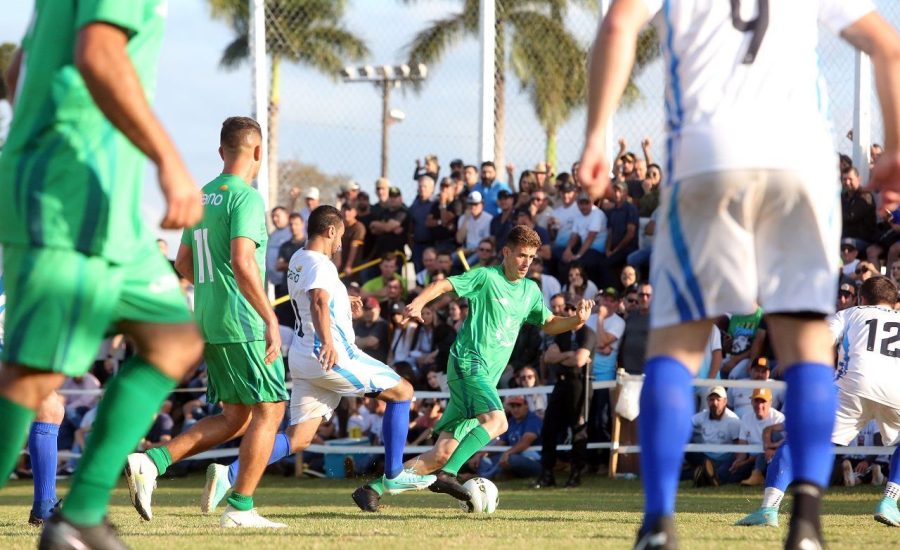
[(320, 514)]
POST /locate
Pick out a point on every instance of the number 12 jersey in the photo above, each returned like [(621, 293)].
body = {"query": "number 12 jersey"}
[(868, 339)]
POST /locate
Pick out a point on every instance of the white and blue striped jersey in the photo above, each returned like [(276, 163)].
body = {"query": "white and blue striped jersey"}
[(743, 82), (868, 339), (309, 270)]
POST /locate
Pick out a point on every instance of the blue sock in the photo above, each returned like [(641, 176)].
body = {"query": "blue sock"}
[(281, 449), (810, 403), (664, 428), (894, 474), (394, 427), (780, 472), (42, 448)]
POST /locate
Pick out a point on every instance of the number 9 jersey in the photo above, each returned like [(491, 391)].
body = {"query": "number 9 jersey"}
[(868, 339)]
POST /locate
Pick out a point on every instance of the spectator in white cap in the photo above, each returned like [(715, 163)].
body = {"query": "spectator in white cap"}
[(716, 425), (474, 225), (311, 197)]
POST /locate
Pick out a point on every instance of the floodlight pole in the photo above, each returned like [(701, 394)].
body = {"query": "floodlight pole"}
[(386, 85)]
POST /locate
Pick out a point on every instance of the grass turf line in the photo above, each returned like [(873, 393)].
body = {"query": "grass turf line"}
[(320, 514)]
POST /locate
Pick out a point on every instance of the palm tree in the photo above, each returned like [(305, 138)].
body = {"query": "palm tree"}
[(308, 32), (548, 61)]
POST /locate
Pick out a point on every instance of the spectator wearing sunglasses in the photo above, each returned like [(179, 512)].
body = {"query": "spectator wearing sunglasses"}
[(637, 328)]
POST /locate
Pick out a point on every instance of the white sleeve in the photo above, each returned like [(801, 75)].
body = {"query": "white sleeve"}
[(837, 15), (836, 323), (715, 339), (653, 6), (614, 325), (597, 221)]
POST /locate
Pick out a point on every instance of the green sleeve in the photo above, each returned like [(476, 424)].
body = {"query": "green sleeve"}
[(128, 15), (539, 313), (466, 284), (248, 217), (186, 237)]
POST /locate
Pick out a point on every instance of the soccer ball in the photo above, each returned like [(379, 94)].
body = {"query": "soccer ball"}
[(485, 496)]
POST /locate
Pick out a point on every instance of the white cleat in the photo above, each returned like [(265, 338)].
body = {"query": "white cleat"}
[(232, 517), (141, 473), (215, 489)]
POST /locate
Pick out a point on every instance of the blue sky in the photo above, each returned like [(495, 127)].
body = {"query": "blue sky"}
[(337, 126)]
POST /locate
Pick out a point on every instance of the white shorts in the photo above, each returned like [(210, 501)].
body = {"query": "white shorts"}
[(316, 392), (728, 241), (854, 412)]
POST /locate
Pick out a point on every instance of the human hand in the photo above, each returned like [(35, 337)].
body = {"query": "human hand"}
[(623, 144), (327, 356), (645, 143), (183, 203), (273, 342), (885, 178), (583, 309), (355, 306), (593, 170), (862, 467), (412, 311), (294, 192)]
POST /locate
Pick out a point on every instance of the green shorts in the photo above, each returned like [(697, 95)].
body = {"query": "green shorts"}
[(470, 396), (238, 373), (60, 303)]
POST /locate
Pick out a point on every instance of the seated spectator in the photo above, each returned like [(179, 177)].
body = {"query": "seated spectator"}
[(372, 331), (527, 377), (161, 430), (485, 255), (633, 351), (393, 294), (717, 425), (564, 215), (285, 311), (846, 296), (523, 432), (849, 258), (503, 221), (860, 220), (540, 209), (578, 287), (428, 412), (400, 336), (474, 225), (609, 328), (752, 426), (548, 284), (455, 316), (377, 286), (740, 345), (545, 252), (429, 263), (422, 348), (741, 399), (587, 244), (77, 405), (628, 277), (622, 237)]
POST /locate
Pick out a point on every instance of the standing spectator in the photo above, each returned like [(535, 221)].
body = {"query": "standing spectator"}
[(474, 225), (382, 192), (351, 242), (311, 198), (285, 311), (280, 235), (523, 432), (391, 228), (637, 328), (650, 201), (542, 173), (569, 355), (419, 211), (470, 180), (456, 169), (429, 168), (445, 212), (564, 216), (849, 257), (743, 330), (858, 211), (587, 244), (504, 219), (623, 222), (846, 296), (609, 327), (377, 286), (489, 187), (716, 425), (541, 212), (372, 331)]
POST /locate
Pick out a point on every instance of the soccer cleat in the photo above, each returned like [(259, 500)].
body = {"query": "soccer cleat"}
[(877, 475), (850, 477), (37, 521), (661, 535), (215, 489), (547, 479), (448, 484), (140, 473), (366, 498), (765, 516), (250, 519), (59, 534), (803, 535), (407, 480), (887, 513), (574, 478)]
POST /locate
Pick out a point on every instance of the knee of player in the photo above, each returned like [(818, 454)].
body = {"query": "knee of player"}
[(52, 409), (237, 416), (405, 391)]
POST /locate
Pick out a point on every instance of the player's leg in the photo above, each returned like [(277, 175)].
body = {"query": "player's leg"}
[(43, 452), (888, 420), (778, 477)]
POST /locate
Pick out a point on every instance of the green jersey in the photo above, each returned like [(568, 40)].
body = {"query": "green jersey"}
[(231, 209), (497, 309), (68, 178)]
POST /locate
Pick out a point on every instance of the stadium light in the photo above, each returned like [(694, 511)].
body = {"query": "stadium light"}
[(386, 77)]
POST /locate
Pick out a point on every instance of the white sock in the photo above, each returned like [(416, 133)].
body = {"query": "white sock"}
[(892, 490), (772, 497)]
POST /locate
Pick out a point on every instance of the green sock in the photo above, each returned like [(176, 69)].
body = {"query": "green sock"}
[(161, 458), (471, 444), (377, 485), (14, 431), (125, 414), (240, 502)]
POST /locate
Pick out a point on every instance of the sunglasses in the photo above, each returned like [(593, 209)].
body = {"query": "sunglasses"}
[(631, 300), (645, 294), (485, 249)]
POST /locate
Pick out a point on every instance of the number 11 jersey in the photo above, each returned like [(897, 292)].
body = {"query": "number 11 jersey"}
[(868, 339)]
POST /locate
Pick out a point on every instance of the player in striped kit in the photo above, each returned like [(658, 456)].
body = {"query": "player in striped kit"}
[(868, 381)]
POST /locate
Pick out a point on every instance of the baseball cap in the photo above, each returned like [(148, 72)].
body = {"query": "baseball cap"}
[(611, 292), (520, 399), (351, 186), (540, 167), (567, 186), (761, 363), (475, 197), (583, 197), (371, 303), (848, 243), (848, 288), (456, 163), (623, 186), (762, 393), (394, 191), (504, 194), (718, 390), (397, 307), (312, 193)]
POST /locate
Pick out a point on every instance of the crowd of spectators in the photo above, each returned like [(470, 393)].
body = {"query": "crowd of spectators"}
[(394, 246)]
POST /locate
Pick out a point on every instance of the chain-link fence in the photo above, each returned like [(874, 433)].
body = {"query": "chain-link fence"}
[(327, 129)]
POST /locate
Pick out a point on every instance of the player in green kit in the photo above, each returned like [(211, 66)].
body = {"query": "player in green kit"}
[(224, 256), (501, 299), (78, 259)]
